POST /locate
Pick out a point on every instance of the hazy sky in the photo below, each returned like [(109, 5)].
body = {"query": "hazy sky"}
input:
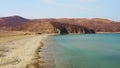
[(61, 8)]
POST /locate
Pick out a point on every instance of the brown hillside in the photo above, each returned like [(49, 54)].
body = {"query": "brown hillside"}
[(7, 23), (70, 24), (53, 27)]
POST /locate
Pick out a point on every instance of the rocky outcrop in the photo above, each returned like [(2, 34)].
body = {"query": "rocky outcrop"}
[(97, 24), (64, 28)]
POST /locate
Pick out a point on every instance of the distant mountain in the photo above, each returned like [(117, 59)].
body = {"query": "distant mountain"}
[(7, 23), (66, 25)]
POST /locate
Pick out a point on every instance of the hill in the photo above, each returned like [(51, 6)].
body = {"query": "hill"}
[(7, 23), (63, 25)]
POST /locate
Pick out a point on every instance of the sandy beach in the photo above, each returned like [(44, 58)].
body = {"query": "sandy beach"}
[(105, 32), (20, 51)]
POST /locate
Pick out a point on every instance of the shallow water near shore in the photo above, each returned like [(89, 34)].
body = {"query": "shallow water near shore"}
[(84, 51)]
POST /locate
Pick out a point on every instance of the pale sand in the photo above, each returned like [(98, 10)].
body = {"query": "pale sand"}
[(20, 51), (105, 32)]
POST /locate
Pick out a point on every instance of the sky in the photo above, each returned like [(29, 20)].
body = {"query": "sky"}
[(32, 9)]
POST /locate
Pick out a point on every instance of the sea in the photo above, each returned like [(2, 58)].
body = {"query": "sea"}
[(83, 50)]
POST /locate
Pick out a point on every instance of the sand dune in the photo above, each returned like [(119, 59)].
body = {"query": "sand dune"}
[(20, 51)]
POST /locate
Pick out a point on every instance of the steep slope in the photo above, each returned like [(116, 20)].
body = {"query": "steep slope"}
[(65, 28), (97, 24)]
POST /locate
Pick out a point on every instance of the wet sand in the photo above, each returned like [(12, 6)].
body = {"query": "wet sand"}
[(46, 53)]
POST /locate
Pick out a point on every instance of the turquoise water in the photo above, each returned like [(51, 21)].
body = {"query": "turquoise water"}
[(86, 51)]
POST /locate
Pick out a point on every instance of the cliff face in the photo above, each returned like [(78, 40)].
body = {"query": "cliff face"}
[(97, 24), (54, 27), (64, 28)]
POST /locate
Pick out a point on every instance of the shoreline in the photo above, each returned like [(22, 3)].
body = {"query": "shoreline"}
[(105, 32), (37, 63), (36, 58), (46, 56)]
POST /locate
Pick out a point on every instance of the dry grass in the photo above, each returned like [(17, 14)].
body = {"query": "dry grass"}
[(14, 33)]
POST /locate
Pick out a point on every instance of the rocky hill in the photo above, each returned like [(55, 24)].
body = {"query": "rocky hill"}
[(62, 26), (53, 27), (7, 23), (97, 24)]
